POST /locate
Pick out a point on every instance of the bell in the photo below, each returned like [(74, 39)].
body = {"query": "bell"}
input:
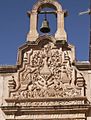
[(45, 26)]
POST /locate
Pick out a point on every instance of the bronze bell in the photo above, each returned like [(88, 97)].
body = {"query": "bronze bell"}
[(45, 26)]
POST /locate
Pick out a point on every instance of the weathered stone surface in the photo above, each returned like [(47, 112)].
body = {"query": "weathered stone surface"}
[(47, 82)]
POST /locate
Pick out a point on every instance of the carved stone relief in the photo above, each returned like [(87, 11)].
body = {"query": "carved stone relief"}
[(47, 72)]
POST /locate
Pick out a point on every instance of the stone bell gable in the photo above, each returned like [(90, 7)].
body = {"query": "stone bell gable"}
[(33, 34), (47, 83)]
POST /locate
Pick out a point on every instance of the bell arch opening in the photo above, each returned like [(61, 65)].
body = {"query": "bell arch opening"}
[(57, 28), (48, 13)]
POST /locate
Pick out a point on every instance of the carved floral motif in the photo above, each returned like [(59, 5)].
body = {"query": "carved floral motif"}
[(36, 92), (48, 73)]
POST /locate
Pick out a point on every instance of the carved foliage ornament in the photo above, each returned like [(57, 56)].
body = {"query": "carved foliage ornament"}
[(47, 73)]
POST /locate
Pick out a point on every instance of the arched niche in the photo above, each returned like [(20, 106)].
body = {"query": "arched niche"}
[(60, 33)]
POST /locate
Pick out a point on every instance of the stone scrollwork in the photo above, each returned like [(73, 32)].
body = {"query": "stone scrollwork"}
[(12, 84), (49, 73)]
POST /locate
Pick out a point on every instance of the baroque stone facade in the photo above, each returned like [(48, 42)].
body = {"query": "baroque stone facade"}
[(47, 83)]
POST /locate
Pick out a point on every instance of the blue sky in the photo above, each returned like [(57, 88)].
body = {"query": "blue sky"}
[(14, 26)]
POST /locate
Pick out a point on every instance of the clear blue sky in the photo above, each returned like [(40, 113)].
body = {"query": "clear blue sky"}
[(14, 26)]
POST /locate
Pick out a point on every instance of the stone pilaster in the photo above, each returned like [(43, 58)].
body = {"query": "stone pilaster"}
[(60, 33), (33, 34)]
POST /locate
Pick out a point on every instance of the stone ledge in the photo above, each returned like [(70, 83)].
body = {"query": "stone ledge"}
[(83, 65), (9, 100), (65, 109), (8, 69), (11, 109)]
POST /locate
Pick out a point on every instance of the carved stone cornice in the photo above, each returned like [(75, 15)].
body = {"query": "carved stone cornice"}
[(83, 65), (8, 69), (65, 109), (34, 106)]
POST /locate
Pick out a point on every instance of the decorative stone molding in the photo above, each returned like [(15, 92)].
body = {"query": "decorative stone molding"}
[(54, 108)]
